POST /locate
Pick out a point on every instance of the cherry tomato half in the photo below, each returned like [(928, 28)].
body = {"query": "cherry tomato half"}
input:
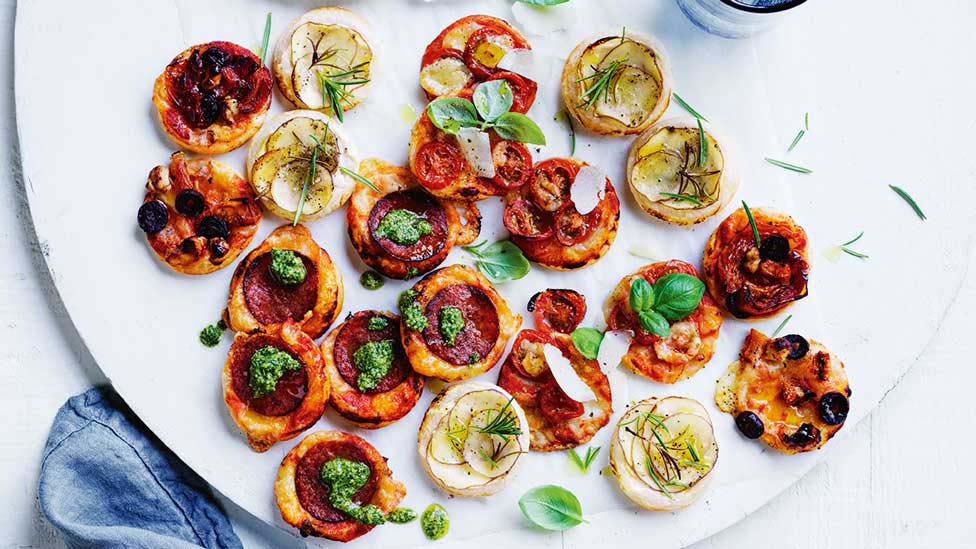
[(572, 227), (524, 372), (556, 406), (525, 219), (523, 90), (558, 310), (438, 164), (549, 186), (485, 48), (513, 164)]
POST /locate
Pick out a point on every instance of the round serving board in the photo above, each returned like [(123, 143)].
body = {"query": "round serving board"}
[(88, 133)]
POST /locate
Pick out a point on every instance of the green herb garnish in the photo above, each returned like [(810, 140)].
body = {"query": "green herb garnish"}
[(309, 177), (752, 223), (572, 131), (587, 341), (781, 326), (806, 121), (359, 178), (377, 323), (551, 507), (796, 140), (504, 424), (685, 197), (210, 336), (687, 107), (489, 110), (266, 39), (788, 166), (911, 201), (844, 247), (673, 297), (584, 462), (500, 262), (702, 145), (267, 366), (334, 92), (371, 280), (602, 78)]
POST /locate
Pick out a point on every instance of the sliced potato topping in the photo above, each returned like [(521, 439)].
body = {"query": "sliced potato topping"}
[(490, 51), (282, 173), (668, 164), (446, 75), (326, 50), (635, 82), (457, 37)]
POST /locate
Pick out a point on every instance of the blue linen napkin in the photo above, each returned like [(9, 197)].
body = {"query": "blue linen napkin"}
[(106, 481)]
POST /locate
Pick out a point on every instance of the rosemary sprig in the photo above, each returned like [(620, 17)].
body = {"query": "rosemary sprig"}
[(690, 182), (806, 121), (687, 107), (911, 201), (691, 450), (491, 460), (602, 78), (788, 166), (623, 34), (572, 133), (781, 326), (584, 462), (796, 140), (504, 424), (702, 145), (334, 86), (844, 247), (685, 197), (266, 39), (309, 177), (752, 223), (359, 178)]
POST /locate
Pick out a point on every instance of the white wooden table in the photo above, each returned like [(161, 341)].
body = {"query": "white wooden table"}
[(899, 480)]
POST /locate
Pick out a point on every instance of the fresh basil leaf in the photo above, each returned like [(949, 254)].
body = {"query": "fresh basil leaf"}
[(551, 507), (450, 114), (515, 126), (500, 262), (587, 341), (492, 98), (641, 295), (653, 322), (543, 2), (678, 295)]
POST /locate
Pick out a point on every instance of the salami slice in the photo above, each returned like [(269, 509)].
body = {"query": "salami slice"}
[(313, 494), (419, 203), (290, 390), (272, 302), (353, 335), (480, 331)]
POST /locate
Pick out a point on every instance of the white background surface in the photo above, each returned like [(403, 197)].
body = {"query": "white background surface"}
[(886, 482)]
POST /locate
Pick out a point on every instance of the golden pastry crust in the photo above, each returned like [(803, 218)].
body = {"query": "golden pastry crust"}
[(392, 179), (691, 343), (678, 211), (235, 114), (369, 409), (802, 401), (468, 284), (573, 85), (388, 493), (326, 294), (262, 429), (559, 253), (284, 65), (556, 421), (225, 196), (754, 283)]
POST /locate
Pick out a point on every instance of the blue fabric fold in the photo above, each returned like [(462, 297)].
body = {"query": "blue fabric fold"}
[(107, 482)]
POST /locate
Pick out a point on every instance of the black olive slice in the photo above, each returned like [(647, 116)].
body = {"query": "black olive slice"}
[(213, 227), (803, 436), (190, 202), (774, 248), (153, 216), (833, 408), (799, 347), (218, 247), (749, 425)]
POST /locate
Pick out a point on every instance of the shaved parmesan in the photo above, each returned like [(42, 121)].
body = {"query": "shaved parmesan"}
[(588, 189), (476, 147), (520, 61), (612, 350), (566, 376), (541, 20)]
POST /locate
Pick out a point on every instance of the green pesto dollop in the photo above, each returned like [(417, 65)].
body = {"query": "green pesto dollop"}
[(434, 522), (403, 227), (411, 311), (372, 280), (412, 272), (267, 366), (451, 322), (210, 336), (473, 358), (373, 360), (401, 515), (377, 323), (344, 478), (287, 267)]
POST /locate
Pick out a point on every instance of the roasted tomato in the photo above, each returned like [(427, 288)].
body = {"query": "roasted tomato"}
[(525, 371), (523, 90), (438, 162), (549, 187), (572, 227), (525, 219), (558, 310), (556, 406), (513, 164)]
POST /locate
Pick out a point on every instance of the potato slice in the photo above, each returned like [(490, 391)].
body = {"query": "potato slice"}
[(633, 95), (317, 50), (457, 476), (280, 175), (457, 38), (691, 448), (669, 163), (635, 55), (490, 455), (447, 443), (669, 406), (446, 75)]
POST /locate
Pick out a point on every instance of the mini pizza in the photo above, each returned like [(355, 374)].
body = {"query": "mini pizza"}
[(566, 216), (663, 452), (672, 179), (288, 278), (756, 281), (213, 97), (372, 384), (325, 60), (475, 49), (789, 391), (566, 396), (279, 162), (617, 85), (454, 324), (691, 342), (198, 214), (469, 166), (472, 439), (274, 385), (557, 310), (403, 231), (305, 487)]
